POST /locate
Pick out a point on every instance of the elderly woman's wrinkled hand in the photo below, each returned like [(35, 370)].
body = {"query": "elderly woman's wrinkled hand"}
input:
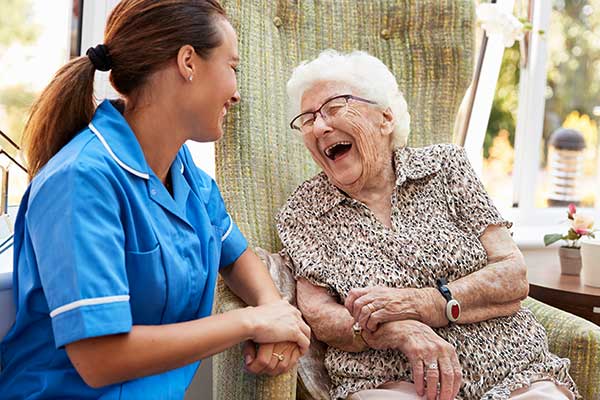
[(372, 306), (432, 359)]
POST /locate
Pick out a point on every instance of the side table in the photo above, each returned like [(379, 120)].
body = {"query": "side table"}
[(566, 292)]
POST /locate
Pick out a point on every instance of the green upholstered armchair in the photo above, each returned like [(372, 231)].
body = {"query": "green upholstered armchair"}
[(428, 44)]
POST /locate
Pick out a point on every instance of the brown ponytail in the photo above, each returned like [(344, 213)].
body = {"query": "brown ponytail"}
[(65, 106), (141, 36)]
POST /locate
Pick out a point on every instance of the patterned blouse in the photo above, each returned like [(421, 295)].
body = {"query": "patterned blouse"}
[(439, 211)]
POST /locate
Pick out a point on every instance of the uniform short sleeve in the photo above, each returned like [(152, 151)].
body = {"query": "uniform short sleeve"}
[(233, 241), (73, 220), (470, 204)]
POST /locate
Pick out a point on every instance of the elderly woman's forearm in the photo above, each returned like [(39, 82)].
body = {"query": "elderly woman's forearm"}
[(329, 321), (495, 290)]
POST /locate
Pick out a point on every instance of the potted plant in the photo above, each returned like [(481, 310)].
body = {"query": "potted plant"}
[(570, 257)]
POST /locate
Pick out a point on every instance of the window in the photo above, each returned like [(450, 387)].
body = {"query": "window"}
[(549, 81), (568, 169), (36, 38)]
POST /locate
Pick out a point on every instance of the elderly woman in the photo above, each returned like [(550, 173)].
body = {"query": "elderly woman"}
[(404, 267)]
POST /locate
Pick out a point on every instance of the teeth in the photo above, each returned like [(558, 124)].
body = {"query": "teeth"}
[(328, 149)]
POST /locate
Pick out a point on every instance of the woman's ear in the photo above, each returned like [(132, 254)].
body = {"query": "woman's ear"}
[(185, 62), (388, 122)]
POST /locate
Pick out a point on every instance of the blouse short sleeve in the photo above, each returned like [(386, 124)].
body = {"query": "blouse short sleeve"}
[(77, 238), (303, 245), (471, 206)]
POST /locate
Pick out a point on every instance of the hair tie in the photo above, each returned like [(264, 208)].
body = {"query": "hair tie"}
[(100, 57)]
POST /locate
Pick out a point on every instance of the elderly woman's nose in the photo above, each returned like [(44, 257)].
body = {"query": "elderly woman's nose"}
[(320, 126)]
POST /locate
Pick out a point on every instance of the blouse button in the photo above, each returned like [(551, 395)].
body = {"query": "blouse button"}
[(153, 192), (277, 22), (385, 34)]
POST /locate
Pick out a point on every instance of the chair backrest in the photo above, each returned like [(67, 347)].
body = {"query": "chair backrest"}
[(428, 45)]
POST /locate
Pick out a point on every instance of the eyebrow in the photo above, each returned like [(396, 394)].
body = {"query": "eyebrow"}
[(235, 58)]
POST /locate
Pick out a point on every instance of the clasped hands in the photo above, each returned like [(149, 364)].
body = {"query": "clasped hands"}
[(401, 319), (270, 358)]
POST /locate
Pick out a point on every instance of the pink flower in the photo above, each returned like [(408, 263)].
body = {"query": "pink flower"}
[(581, 231), (572, 210)]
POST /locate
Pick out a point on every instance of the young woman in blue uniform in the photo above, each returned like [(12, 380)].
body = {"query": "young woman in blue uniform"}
[(120, 236)]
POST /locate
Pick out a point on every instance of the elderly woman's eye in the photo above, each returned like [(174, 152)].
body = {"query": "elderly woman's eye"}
[(308, 121), (333, 109)]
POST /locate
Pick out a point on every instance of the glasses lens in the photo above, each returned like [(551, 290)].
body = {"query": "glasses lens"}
[(306, 121), (334, 106)]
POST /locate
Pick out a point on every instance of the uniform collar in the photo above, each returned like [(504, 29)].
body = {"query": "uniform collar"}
[(409, 163), (116, 136)]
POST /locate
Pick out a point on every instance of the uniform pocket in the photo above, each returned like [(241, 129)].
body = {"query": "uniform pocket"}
[(147, 286)]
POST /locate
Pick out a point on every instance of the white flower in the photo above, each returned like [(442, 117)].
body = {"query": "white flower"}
[(582, 223), (496, 21)]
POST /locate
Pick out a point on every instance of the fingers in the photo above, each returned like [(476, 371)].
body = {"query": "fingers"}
[(352, 296), (360, 303), (249, 352), (284, 364), (303, 338), (446, 371), (418, 372), (432, 376), (375, 319), (295, 357), (264, 358), (365, 313), (457, 375)]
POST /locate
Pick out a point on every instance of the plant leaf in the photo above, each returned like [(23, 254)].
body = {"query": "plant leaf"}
[(551, 238)]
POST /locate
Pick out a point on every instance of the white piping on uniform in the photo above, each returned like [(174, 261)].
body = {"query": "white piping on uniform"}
[(113, 155), (88, 302), (228, 230)]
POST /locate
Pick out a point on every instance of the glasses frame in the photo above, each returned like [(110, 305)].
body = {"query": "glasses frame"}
[(318, 111)]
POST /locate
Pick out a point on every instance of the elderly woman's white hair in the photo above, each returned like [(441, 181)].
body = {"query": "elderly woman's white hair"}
[(370, 77)]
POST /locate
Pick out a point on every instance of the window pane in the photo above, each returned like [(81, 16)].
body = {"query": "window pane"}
[(498, 146), (36, 38), (569, 167)]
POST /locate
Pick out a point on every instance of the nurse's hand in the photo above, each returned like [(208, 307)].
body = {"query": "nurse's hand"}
[(279, 322), (266, 359)]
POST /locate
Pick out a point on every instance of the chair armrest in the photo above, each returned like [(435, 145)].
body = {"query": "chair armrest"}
[(230, 380), (574, 338)]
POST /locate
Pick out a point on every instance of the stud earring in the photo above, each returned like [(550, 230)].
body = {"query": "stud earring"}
[(190, 78)]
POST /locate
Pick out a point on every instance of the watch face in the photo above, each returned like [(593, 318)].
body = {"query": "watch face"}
[(453, 310)]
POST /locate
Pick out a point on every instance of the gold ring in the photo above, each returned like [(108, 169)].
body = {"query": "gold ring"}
[(280, 357)]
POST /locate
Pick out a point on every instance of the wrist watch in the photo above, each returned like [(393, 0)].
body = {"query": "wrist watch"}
[(452, 305)]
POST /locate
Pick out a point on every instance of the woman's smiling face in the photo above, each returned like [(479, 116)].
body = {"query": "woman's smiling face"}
[(350, 145)]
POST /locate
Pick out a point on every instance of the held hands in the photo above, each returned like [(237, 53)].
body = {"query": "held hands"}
[(270, 358), (372, 306), (432, 359), (279, 322)]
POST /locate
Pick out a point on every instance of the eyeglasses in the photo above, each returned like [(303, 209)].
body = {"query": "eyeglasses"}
[(335, 106)]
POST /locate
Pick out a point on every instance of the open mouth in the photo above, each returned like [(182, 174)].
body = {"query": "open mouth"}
[(337, 150)]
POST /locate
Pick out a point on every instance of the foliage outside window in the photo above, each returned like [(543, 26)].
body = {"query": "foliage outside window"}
[(572, 101), (35, 41)]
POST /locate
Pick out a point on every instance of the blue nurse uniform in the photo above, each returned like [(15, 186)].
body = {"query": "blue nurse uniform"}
[(101, 245)]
